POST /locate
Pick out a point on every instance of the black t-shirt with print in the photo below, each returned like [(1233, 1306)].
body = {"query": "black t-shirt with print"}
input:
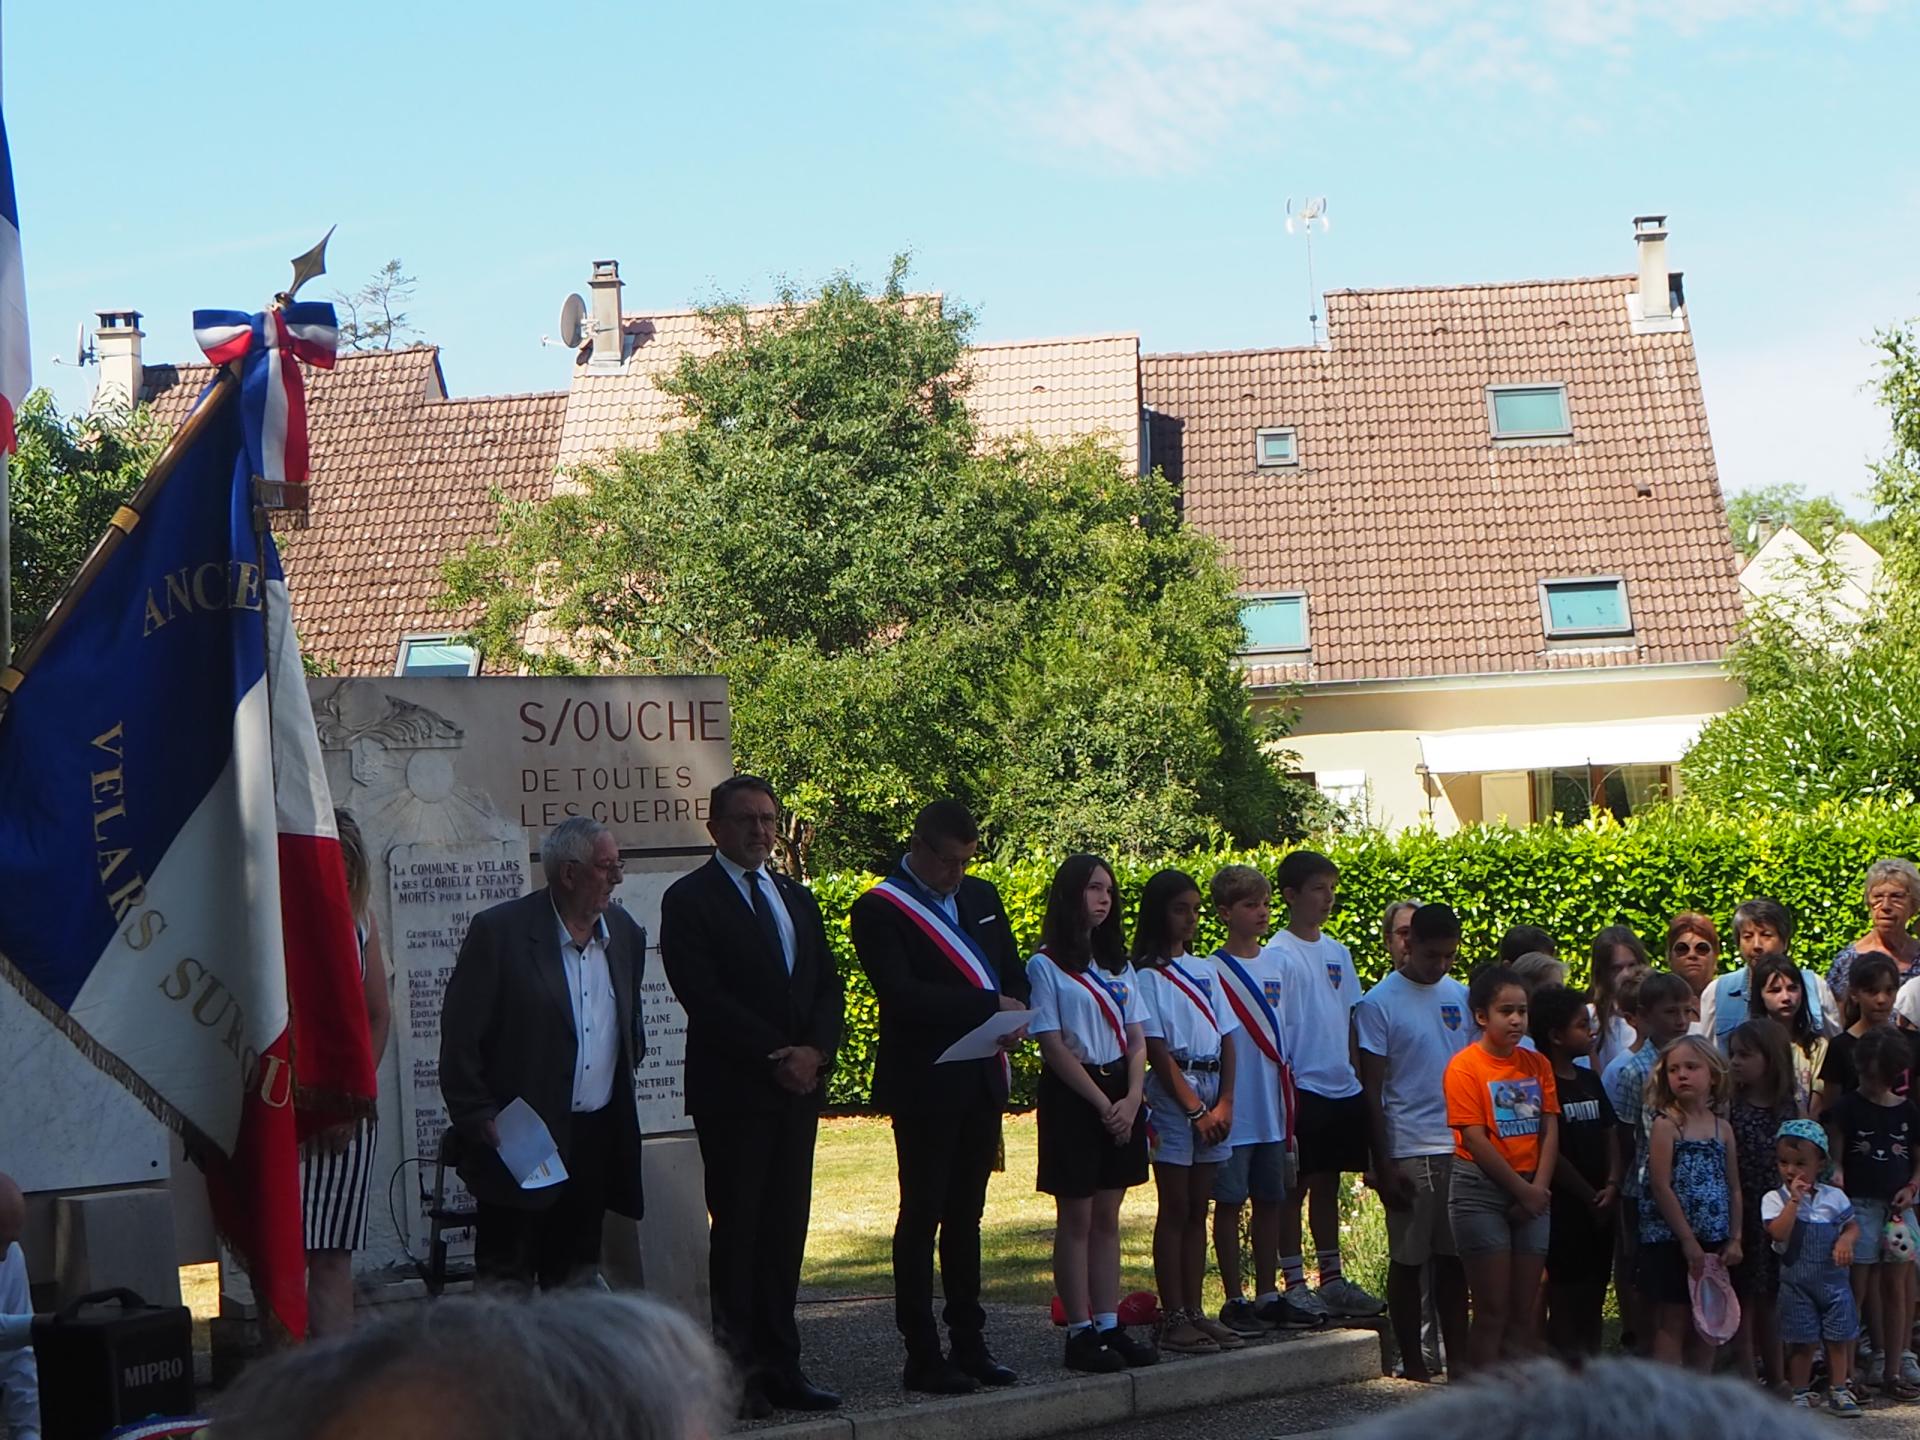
[(1586, 1120), (1874, 1144)]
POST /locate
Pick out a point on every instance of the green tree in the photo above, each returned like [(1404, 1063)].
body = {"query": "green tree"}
[(1826, 717), (901, 611), (70, 474)]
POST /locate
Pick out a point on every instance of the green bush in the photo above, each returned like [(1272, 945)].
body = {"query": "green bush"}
[(1572, 881)]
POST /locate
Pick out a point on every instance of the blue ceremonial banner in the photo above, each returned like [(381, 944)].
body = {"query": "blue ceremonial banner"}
[(171, 887)]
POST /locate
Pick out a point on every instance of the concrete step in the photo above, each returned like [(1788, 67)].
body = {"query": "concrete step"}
[(1168, 1395)]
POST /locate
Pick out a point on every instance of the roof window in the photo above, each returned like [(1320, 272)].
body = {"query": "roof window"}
[(1275, 446), (1586, 607), (1528, 412), (1275, 623), (427, 656)]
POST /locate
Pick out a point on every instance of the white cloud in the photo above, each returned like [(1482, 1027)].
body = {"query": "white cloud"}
[(1153, 85)]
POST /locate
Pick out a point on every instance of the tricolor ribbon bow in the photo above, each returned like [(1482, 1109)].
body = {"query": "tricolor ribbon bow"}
[(273, 396)]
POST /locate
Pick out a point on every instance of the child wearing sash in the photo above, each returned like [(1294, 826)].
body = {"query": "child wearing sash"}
[(1189, 1104), (1089, 1017), (1256, 1169)]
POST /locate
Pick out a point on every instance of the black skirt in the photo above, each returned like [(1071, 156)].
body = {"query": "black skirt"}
[(1077, 1155)]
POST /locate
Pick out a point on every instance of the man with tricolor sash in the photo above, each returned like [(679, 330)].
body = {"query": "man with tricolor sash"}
[(937, 947)]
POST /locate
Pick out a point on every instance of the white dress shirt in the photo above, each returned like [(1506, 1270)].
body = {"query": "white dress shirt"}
[(19, 1379), (595, 1026), (782, 921), (949, 904)]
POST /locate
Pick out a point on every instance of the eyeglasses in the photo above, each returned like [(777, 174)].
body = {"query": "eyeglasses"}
[(612, 869), (1696, 947), (752, 822)]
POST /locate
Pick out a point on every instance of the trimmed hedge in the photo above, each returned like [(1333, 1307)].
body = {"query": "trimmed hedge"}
[(1570, 881)]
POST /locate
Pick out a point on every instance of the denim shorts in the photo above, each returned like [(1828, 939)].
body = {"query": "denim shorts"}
[(1259, 1171), (1170, 1136), (1482, 1214), (1871, 1215)]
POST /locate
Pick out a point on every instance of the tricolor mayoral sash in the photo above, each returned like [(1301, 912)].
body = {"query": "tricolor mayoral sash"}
[(1260, 1018)]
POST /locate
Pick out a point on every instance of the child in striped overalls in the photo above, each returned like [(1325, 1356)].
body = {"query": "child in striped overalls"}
[(1812, 1227)]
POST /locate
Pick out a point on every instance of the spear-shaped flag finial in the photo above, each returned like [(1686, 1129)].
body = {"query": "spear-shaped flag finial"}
[(309, 266)]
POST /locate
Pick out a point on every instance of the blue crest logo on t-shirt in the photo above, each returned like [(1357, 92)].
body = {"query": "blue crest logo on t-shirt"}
[(1271, 989), (1335, 973), (1450, 1016)]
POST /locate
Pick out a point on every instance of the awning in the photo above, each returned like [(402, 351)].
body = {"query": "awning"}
[(1551, 747)]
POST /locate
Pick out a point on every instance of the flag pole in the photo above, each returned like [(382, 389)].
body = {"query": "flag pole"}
[(219, 392), (6, 560)]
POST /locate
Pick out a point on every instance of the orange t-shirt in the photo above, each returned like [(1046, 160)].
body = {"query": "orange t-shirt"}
[(1507, 1096)]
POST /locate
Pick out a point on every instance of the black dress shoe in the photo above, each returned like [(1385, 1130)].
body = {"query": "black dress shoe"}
[(754, 1404), (981, 1366), (796, 1392), (937, 1377)]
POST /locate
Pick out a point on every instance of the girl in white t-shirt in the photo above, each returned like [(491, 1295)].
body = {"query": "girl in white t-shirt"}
[(1089, 1017), (1189, 1103), (1617, 953)]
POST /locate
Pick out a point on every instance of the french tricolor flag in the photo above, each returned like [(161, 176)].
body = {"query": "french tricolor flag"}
[(16, 368), (171, 887)]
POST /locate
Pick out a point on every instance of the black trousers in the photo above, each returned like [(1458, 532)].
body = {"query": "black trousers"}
[(561, 1243), (945, 1159), (759, 1177)]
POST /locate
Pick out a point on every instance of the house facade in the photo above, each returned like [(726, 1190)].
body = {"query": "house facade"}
[(1479, 529)]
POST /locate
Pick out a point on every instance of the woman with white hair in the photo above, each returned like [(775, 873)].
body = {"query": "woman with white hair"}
[(1892, 894)]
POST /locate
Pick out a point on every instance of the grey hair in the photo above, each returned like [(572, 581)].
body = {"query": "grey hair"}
[(1537, 967), (1602, 1400), (570, 843), (1902, 871), (1392, 913), (583, 1364)]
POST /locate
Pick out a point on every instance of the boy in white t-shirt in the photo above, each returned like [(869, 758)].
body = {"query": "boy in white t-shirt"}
[(1319, 990), (1257, 1164), (1408, 1027)]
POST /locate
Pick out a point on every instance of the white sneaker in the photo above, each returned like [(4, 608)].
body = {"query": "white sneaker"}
[(1342, 1297), (1909, 1368)]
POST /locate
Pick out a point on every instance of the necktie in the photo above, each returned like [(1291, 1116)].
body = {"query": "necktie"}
[(763, 912)]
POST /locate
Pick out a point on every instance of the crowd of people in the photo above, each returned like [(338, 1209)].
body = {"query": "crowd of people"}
[(1668, 1131), (1678, 1134)]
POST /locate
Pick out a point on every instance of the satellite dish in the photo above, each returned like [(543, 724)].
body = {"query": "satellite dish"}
[(573, 322), (80, 355), (1311, 211)]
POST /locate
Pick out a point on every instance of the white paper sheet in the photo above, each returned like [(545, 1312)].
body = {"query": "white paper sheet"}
[(984, 1040), (527, 1148)]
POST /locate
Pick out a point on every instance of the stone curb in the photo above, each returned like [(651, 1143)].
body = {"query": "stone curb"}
[(1333, 1357)]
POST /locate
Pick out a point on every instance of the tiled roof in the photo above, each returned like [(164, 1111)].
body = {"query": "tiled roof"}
[(1055, 389), (1419, 542), (401, 478)]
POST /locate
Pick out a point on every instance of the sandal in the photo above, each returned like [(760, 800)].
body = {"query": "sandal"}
[(1182, 1337)]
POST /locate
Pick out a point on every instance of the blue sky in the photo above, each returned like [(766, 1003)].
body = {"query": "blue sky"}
[(1063, 168)]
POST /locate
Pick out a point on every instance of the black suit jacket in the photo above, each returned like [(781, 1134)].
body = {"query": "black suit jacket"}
[(926, 1004), (506, 1032), (740, 1001)]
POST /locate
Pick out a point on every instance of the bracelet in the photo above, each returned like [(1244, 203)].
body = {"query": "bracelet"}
[(1196, 1112)]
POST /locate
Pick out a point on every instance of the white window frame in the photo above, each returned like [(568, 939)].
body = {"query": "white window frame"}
[(1585, 632), (1306, 624), (1260, 447), (431, 637), (1493, 412)]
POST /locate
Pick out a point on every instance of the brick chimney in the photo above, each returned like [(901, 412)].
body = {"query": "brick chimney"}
[(117, 345), (604, 331)]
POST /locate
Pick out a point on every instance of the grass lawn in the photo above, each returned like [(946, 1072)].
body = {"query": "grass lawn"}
[(855, 1196)]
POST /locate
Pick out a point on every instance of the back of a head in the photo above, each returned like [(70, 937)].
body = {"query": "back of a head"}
[(1526, 940), (1603, 1400), (583, 1364)]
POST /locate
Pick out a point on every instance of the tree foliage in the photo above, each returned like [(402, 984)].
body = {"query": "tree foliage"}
[(1787, 503), (1826, 718), (901, 610), (372, 318), (70, 474)]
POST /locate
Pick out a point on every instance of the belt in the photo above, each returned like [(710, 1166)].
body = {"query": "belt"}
[(1112, 1067), (1200, 1067)]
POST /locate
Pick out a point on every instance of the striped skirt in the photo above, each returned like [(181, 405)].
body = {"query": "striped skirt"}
[(333, 1190)]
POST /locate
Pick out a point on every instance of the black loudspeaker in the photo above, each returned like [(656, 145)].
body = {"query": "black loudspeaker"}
[(110, 1359)]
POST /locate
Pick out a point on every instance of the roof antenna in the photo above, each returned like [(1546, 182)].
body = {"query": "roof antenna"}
[(1312, 211)]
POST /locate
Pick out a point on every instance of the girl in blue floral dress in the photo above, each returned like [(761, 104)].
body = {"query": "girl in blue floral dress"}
[(1691, 1208)]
